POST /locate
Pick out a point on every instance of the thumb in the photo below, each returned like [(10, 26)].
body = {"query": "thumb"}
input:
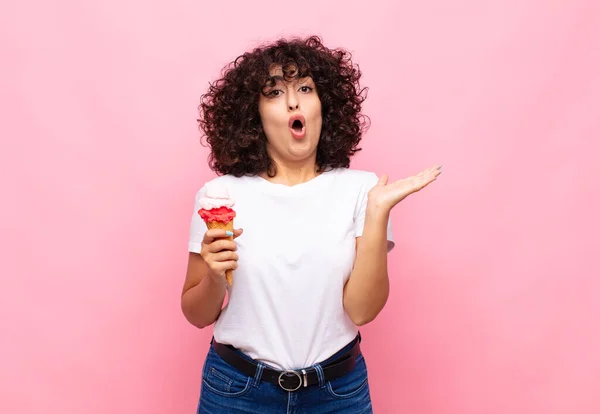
[(382, 180)]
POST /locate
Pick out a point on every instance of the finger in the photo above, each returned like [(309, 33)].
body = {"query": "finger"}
[(383, 180), (213, 234), (237, 233), (225, 256), (434, 169), (428, 181), (221, 267), (431, 174), (220, 245), (422, 181), (419, 177)]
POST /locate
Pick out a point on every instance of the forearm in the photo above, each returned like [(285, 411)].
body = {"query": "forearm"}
[(367, 290), (201, 304)]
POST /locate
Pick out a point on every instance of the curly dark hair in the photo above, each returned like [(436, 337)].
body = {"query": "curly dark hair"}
[(230, 120)]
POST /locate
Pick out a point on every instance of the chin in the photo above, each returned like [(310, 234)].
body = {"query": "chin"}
[(302, 151)]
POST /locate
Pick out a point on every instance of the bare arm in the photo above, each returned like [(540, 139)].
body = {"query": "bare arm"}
[(367, 290), (202, 298), (205, 285)]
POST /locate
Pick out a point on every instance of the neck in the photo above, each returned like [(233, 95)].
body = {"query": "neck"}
[(292, 173)]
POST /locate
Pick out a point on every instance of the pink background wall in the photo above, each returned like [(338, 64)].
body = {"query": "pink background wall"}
[(495, 303)]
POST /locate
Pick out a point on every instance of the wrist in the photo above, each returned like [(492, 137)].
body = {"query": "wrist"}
[(215, 281), (219, 281), (377, 211)]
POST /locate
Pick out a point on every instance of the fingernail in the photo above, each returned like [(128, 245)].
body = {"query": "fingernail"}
[(229, 233), (440, 167)]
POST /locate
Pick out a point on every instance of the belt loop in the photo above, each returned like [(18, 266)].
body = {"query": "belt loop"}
[(320, 375), (258, 375)]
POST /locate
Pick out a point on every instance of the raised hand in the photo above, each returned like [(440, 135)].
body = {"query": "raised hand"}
[(386, 196)]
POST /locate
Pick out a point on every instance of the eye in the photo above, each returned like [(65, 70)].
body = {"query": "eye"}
[(275, 92), (306, 89)]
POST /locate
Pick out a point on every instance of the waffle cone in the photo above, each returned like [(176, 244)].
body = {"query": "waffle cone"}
[(223, 226)]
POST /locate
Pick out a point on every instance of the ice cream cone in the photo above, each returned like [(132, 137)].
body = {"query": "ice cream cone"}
[(216, 211), (224, 226)]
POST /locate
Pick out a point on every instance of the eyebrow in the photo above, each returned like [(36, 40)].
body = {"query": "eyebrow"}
[(272, 80)]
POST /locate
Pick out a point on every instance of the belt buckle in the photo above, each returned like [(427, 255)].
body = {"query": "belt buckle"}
[(289, 374)]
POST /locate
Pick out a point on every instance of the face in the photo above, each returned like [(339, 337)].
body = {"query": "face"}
[(290, 113)]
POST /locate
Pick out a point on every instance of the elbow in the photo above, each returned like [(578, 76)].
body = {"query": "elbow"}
[(362, 315), (194, 321), (192, 316), (362, 320)]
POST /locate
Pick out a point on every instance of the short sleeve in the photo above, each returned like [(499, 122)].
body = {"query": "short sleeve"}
[(197, 226), (359, 216)]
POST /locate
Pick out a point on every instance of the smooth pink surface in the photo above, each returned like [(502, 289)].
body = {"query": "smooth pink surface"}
[(495, 302)]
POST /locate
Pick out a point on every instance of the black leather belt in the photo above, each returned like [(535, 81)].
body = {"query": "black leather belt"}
[(291, 380)]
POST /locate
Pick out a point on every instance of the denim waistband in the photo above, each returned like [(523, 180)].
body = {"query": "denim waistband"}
[(332, 358)]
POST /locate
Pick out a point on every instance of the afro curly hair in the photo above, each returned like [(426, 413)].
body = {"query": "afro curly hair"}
[(229, 117)]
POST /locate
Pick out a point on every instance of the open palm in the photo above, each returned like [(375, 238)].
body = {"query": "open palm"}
[(388, 195)]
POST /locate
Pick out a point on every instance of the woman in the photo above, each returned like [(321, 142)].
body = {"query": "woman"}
[(310, 265)]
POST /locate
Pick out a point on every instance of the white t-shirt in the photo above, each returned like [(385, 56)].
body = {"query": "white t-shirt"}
[(295, 255)]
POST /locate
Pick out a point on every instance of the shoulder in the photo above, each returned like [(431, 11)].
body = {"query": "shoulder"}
[(223, 180), (359, 178), (229, 181)]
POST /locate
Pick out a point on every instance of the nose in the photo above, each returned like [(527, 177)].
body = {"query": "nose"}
[(293, 103)]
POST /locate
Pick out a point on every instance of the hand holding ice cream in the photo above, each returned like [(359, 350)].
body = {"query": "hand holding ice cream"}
[(216, 211)]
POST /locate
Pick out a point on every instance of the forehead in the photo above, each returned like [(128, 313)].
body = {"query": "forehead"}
[(288, 73), (276, 71)]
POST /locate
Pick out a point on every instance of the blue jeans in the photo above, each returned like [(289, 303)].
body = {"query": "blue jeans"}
[(226, 390)]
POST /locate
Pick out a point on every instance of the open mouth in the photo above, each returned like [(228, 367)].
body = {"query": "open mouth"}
[(297, 126)]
